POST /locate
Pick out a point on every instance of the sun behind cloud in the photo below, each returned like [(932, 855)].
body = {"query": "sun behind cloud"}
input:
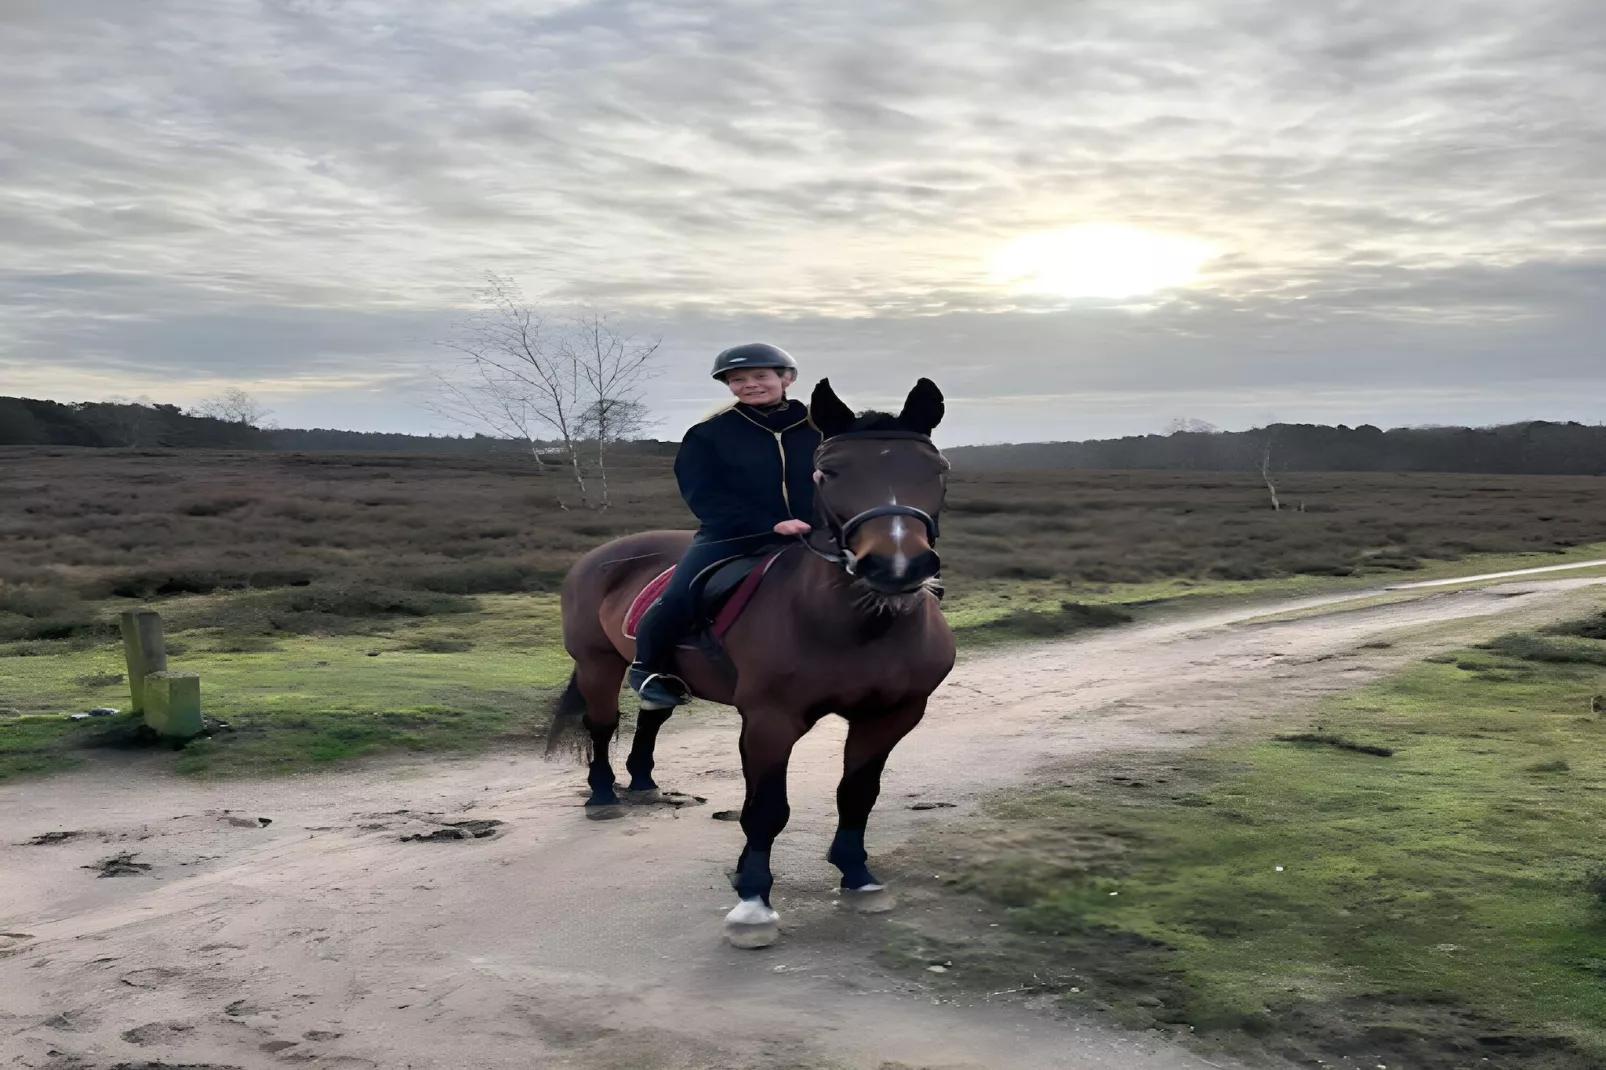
[(1099, 260)]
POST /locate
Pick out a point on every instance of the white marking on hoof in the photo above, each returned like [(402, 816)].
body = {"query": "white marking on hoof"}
[(752, 924), (605, 813), (871, 899)]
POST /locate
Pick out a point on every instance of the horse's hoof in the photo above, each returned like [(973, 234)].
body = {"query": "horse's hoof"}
[(604, 812), (870, 899), (752, 924), (641, 796)]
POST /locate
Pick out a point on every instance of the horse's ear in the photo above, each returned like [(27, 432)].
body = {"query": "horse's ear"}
[(923, 410), (827, 412)]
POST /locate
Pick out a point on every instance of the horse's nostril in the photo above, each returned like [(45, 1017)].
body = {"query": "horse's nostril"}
[(898, 571)]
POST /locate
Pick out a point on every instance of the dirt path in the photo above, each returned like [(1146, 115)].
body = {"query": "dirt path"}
[(326, 940)]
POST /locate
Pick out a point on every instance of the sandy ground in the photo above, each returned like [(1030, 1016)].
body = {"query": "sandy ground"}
[(325, 939)]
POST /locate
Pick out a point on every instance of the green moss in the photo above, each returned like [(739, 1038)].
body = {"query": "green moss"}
[(1320, 895)]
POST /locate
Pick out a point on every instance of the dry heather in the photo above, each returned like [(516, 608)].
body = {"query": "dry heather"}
[(95, 524)]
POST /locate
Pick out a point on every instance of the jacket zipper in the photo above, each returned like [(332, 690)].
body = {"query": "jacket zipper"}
[(781, 446), (785, 497)]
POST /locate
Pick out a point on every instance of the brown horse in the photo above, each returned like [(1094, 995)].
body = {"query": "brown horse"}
[(847, 621)]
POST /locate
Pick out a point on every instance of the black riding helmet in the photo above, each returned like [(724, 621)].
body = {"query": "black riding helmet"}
[(753, 355)]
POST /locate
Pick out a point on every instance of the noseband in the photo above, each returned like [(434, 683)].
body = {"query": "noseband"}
[(842, 531)]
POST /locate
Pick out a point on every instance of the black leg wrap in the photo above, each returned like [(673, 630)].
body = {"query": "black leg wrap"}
[(599, 775), (753, 875), (847, 854), (640, 762)]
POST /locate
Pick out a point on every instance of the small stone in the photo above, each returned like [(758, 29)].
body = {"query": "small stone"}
[(936, 969), (1150, 1001)]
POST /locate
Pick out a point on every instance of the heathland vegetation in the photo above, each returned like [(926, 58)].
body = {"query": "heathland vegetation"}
[(338, 603)]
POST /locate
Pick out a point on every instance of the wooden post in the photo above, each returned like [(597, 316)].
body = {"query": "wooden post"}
[(144, 650), (173, 704)]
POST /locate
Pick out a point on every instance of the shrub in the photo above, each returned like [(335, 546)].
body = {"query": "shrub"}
[(28, 612), (363, 600), (1069, 618), (1586, 628), (1595, 883), (215, 507), (1526, 646), (488, 578), (435, 645)]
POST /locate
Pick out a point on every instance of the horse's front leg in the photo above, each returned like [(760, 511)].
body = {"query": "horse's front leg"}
[(768, 736), (871, 737)]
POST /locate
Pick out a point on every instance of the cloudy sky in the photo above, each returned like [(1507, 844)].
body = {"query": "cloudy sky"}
[(1081, 218)]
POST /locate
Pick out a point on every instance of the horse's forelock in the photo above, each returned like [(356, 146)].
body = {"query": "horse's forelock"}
[(876, 421)]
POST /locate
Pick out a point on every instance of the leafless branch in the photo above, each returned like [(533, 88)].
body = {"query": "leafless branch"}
[(233, 406), (545, 378)]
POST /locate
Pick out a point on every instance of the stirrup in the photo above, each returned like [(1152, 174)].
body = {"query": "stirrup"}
[(658, 690)]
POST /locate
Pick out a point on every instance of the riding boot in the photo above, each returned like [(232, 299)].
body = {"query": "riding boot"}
[(648, 678)]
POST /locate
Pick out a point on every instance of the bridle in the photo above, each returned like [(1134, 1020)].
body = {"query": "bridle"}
[(842, 531)]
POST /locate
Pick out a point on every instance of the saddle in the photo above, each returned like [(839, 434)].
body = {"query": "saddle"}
[(719, 592)]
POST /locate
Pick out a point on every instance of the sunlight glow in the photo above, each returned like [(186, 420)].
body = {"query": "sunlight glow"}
[(1104, 260)]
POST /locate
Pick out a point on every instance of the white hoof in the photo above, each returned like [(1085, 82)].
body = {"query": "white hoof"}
[(752, 924), (871, 899)]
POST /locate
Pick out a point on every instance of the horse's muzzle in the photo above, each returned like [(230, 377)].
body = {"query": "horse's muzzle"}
[(897, 573)]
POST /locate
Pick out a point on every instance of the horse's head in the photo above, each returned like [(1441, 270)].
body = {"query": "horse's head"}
[(881, 484)]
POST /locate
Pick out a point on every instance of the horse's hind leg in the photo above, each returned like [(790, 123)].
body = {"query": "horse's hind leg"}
[(870, 741), (598, 677), (640, 762)]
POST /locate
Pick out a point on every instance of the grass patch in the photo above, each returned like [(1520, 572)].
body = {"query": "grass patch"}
[(1442, 908), (298, 701), (33, 745)]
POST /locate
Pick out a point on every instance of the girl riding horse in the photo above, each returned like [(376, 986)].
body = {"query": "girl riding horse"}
[(745, 472), (846, 621)]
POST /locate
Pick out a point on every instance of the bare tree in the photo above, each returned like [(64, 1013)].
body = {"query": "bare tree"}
[(130, 418), (615, 368), (541, 377), (1265, 469), (233, 406), (1187, 425)]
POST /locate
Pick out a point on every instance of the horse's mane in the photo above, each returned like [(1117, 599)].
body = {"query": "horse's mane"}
[(872, 420)]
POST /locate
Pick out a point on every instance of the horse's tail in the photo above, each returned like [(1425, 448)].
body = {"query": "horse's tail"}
[(566, 733)]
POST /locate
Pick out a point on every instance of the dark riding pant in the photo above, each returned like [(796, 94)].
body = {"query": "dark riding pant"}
[(672, 616)]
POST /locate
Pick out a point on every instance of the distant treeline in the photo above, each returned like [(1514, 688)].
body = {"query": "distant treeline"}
[(1536, 448), (30, 422)]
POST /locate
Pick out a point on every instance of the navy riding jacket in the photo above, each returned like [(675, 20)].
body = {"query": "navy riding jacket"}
[(745, 470)]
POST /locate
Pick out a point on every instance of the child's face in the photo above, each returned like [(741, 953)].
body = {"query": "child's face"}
[(757, 386)]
